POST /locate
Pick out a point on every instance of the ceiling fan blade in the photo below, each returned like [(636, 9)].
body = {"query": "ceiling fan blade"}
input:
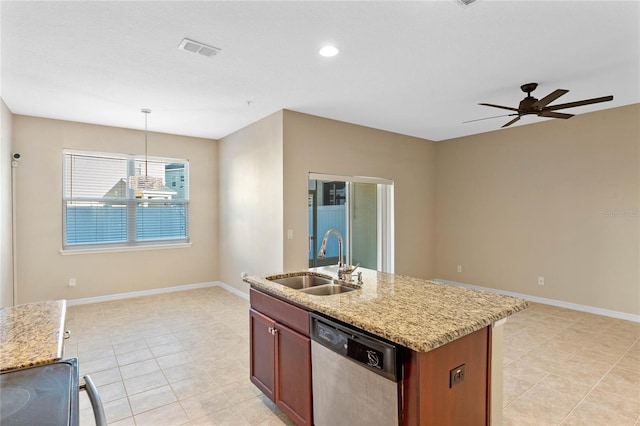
[(500, 106), (553, 114), (549, 98), (488, 118), (579, 103), (512, 121)]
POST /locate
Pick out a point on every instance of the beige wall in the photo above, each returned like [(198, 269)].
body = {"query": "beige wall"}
[(6, 260), (315, 144), (558, 199), (250, 228), (44, 273)]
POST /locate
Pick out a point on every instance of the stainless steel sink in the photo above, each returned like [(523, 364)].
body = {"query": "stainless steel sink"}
[(327, 289), (299, 282)]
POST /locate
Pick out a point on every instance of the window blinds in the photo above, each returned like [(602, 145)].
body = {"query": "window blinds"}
[(124, 200)]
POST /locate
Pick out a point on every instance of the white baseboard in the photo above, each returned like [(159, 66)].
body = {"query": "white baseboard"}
[(552, 302), (234, 290), (163, 290)]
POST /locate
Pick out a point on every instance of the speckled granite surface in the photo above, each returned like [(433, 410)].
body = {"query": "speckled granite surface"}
[(419, 314), (31, 334)]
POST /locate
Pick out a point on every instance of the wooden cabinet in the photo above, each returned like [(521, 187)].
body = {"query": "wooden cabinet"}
[(429, 396), (281, 355), (263, 353)]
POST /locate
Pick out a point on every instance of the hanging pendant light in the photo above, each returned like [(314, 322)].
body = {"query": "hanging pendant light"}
[(146, 182)]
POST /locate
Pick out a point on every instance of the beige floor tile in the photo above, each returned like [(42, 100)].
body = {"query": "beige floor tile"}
[(112, 391), (167, 349), (117, 410), (166, 415), (513, 388), (178, 358), (126, 347), (626, 407), (145, 382), (90, 367), (139, 368), (192, 386), (163, 339), (273, 421), (127, 337), (588, 413), (151, 399), (257, 410), (91, 354), (560, 367), (524, 371), (240, 391), (226, 417), (205, 404), (124, 422), (134, 356), (234, 373), (532, 408), (105, 377), (621, 382), (629, 364)]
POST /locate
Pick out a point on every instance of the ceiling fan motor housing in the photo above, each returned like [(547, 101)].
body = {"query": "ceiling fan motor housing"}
[(525, 106), (526, 103)]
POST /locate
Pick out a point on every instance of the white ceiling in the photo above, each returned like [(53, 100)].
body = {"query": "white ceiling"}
[(418, 68)]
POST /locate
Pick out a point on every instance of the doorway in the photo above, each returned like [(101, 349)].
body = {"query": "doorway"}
[(361, 209)]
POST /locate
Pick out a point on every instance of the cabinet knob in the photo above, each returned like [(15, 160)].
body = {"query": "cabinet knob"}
[(273, 331)]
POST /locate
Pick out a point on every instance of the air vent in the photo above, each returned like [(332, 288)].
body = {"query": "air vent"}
[(197, 47), (466, 3)]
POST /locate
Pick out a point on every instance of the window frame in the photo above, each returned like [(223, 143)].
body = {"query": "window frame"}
[(130, 202)]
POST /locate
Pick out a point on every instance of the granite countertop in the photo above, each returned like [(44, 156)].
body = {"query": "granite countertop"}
[(31, 334), (419, 314)]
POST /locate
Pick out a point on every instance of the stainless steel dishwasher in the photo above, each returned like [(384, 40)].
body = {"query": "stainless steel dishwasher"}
[(356, 377)]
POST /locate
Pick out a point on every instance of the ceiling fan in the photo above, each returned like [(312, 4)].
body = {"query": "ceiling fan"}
[(540, 107)]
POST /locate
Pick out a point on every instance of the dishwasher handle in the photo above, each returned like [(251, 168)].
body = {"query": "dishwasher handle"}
[(96, 401)]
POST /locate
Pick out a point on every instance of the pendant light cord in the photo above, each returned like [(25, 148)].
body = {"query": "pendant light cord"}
[(146, 114)]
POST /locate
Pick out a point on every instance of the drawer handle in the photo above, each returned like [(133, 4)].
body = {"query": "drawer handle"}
[(67, 334)]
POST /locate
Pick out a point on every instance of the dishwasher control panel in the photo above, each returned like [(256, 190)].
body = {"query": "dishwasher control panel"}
[(370, 352)]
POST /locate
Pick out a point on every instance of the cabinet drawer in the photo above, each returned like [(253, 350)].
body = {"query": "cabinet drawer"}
[(281, 311)]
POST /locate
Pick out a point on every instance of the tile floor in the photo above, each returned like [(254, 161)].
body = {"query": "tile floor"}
[(182, 359)]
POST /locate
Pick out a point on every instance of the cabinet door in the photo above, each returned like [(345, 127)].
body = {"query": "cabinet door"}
[(263, 365), (293, 383)]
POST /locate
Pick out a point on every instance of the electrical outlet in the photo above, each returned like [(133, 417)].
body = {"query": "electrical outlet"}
[(540, 280), (456, 376), (290, 234), (459, 268), (72, 282)]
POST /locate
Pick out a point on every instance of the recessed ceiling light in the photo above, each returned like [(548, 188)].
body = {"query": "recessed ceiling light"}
[(328, 51)]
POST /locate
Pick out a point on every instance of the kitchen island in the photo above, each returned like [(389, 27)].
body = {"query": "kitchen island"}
[(438, 324), (31, 334)]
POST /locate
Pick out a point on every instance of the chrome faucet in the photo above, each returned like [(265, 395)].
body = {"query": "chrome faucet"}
[(344, 270), (322, 253)]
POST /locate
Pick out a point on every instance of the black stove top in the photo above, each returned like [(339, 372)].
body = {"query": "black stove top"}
[(40, 395)]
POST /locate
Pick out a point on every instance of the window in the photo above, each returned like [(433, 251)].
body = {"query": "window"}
[(120, 200)]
